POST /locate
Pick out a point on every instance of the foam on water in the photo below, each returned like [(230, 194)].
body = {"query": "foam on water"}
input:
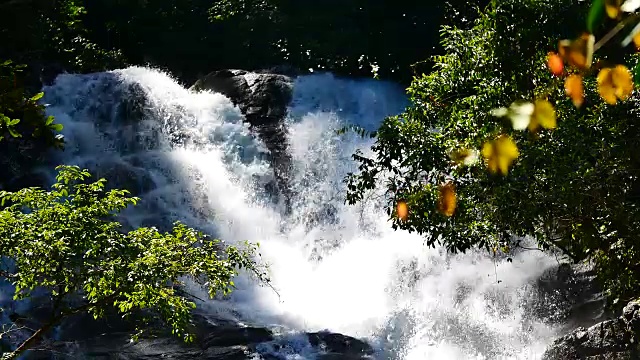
[(335, 267)]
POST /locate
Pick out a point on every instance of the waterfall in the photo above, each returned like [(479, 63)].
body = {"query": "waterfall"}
[(189, 157)]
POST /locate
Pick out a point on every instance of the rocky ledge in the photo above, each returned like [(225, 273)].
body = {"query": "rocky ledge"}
[(215, 339), (615, 339)]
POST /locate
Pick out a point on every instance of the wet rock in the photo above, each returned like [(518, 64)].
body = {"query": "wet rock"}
[(263, 98), (338, 346), (617, 338), (214, 340)]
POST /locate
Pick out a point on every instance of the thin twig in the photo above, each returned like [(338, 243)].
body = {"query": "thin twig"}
[(613, 32)]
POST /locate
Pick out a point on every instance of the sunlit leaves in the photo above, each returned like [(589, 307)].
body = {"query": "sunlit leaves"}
[(562, 187), (447, 200), (579, 52), (527, 115), (615, 84), (68, 241), (500, 153), (519, 113), (464, 156), (574, 88)]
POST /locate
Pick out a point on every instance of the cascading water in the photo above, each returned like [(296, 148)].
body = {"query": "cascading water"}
[(189, 157)]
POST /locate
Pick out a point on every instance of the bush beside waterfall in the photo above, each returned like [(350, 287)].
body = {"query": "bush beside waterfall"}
[(574, 188), (67, 244)]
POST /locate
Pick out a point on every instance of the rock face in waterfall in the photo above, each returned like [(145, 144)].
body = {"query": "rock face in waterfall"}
[(263, 98), (215, 339), (617, 338)]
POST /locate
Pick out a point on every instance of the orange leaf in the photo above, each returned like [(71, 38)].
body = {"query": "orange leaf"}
[(575, 89), (555, 63), (578, 52), (447, 199), (402, 210)]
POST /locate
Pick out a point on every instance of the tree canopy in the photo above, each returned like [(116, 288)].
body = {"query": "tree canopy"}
[(68, 243), (467, 175)]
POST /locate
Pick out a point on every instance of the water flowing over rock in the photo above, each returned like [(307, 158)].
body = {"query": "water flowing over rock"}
[(348, 285), (263, 99), (615, 339)]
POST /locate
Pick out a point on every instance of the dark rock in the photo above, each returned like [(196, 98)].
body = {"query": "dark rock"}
[(232, 336), (214, 339), (611, 339), (339, 345), (263, 99), (576, 296)]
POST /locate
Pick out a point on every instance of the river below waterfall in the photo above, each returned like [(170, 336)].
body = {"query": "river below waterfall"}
[(189, 157)]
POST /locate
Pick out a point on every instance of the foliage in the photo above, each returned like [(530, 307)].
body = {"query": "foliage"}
[(40, 32), (26, 133), (20, 114), (572, 180), (67, 242), (352, 38)]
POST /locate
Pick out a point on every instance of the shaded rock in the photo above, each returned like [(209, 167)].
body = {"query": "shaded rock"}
[(263, 99), (576, 297), (232, 336), (214, 340), (338, 346), (611, 339)]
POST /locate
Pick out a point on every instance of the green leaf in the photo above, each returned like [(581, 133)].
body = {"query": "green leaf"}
[(49, 120), (14, 133), (37, 96), (596, 15), (13, 122), (56, 127)]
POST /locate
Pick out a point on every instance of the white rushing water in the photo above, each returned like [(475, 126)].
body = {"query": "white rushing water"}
[(335, 267)]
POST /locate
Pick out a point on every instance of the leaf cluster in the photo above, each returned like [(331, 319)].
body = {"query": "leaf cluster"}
[(22, 114), (573, 189), (66, 241)]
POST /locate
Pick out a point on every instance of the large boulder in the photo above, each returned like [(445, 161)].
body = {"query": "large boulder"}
[(618, 339), (263, 98)]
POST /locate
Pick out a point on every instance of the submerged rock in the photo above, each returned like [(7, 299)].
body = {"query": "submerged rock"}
[(608, 340)]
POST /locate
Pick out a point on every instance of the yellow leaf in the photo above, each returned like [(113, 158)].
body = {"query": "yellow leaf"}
[(574, 88), (402, 210), (613, 7), (464, 156), (578, 52), (447, 200), (500, 154), (519, 113), (544, 115), (615, 84), (636, 40)]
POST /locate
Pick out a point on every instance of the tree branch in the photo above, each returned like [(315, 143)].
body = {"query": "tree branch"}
[(55, 320)]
